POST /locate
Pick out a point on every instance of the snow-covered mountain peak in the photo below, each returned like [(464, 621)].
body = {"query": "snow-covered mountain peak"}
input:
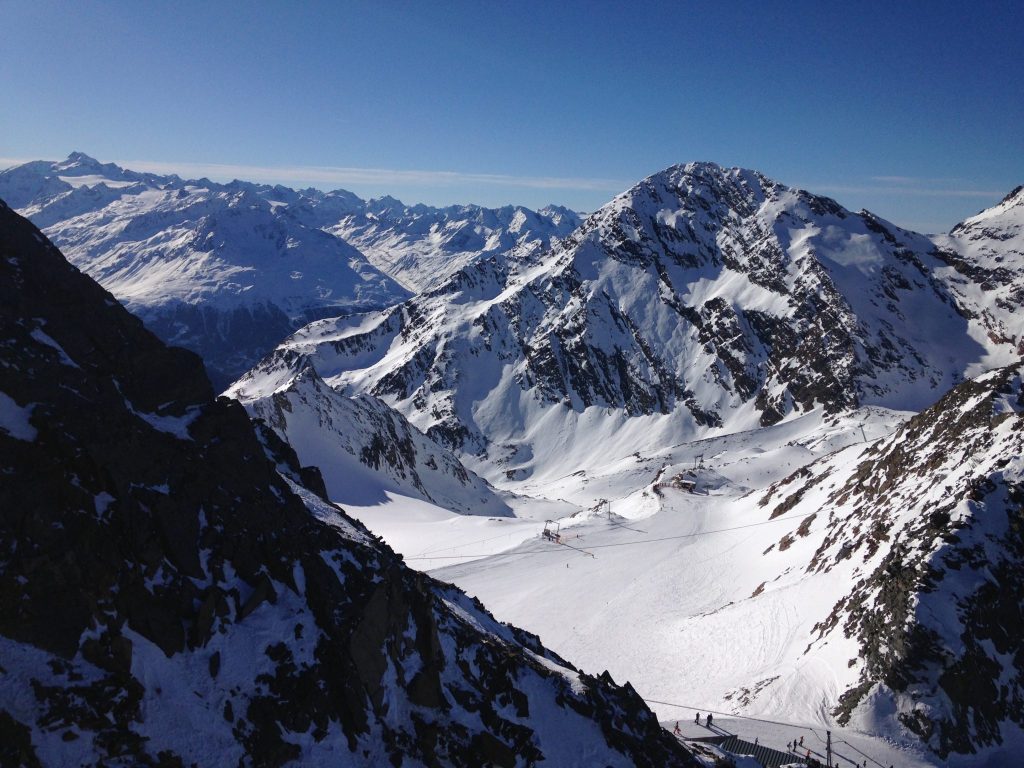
[(80, 170), (422, 246), (1008, 212), (1015, 196), (984, 258), (702, 192), (224, 269), (79, 161), (702, 299)]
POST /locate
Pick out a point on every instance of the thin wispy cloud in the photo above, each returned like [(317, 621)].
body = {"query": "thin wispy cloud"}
[(334, 175), (897, 179), (10, 162), (904, 189)]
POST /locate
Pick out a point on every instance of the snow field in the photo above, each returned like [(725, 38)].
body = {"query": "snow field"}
[(659, 586)]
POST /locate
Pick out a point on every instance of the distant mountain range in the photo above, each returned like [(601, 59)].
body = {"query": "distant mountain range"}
[(228, 270)]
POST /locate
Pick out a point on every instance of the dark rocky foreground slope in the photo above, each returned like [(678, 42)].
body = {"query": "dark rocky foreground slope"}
[(175, 591)]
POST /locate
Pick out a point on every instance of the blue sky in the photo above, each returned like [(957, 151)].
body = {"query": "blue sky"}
[(913, 110)]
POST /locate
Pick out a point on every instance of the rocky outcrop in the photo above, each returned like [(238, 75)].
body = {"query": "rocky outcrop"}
[(174, 596), (928, 527)]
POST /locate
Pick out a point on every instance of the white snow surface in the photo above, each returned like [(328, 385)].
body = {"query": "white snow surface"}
[(849, 748), (657, 585), (421, 247), (696, 597), (153, 239), (689, 596)]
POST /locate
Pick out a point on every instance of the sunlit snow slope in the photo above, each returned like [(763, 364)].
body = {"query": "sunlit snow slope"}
[(985, 254), (217, 268), (367, 450)]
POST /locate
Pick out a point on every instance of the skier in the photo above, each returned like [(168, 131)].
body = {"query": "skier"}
[(801, 741), (676, 729), (697, 719), (709, 719)]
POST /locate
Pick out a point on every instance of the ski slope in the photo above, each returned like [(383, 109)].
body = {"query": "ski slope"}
[(665, 587), (639, 585)]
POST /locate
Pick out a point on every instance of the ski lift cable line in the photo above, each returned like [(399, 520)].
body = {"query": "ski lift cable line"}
[(835, 742), (447, 546), (869, 757), (620, 543)]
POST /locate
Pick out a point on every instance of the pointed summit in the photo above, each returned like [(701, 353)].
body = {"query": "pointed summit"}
[(78, 161), (1015, 197), (82, 158)]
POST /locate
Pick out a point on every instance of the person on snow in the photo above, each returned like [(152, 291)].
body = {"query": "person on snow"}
[(676, 730), (697, 719), (709, 719)]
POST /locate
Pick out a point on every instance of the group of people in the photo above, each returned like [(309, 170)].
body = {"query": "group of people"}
[(793, 746), (696, 719)]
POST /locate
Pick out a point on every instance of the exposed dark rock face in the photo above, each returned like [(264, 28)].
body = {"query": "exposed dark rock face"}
[(929, 524), (172, 596)]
